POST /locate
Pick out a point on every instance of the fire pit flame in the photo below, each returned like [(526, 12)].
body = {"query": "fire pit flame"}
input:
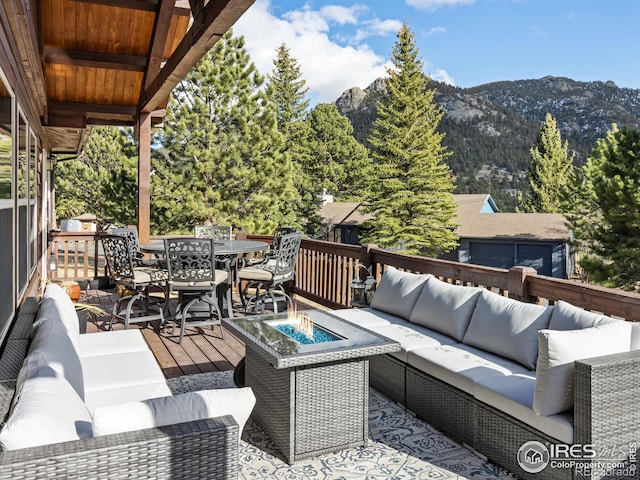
[(302, 323)]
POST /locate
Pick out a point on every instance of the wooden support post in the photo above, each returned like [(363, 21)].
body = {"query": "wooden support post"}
[(517, 281), (144, 177)]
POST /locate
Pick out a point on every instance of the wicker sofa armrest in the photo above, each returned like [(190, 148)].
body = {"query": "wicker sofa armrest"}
[(606, 396), (199, 449)]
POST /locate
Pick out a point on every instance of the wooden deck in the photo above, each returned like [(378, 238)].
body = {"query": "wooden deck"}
[(202, 349)]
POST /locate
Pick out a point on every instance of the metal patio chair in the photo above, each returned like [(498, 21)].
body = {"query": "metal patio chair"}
[(191, 265), (138, 280), (264, 282), (131, 234)]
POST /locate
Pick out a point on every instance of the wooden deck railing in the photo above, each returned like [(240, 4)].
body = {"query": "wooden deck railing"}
[(325, 270)]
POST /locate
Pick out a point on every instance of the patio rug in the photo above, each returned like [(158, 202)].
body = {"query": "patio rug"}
[(400, 447)]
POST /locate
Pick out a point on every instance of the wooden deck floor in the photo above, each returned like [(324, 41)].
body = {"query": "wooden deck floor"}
[(202, 349)]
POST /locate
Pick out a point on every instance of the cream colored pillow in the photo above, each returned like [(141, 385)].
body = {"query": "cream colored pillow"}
[(557, 352)]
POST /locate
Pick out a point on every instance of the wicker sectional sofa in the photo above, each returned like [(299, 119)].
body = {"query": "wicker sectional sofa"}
[(495, 373), (98, 406)]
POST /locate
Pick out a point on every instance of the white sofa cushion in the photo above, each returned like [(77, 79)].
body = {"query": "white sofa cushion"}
[(69, 315), (411, 337), (445, 308), (558, 351), (184, 407), (51, 310), (460, 365), (635, 336), (128, 369), (364, 317), (47, 409), (507, 327), (53, 344), (398, 292), (111, 342), (122, 394), (513, 395), (569, 317)]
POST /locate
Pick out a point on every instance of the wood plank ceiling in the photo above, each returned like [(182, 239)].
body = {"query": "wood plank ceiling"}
[(104, 61)]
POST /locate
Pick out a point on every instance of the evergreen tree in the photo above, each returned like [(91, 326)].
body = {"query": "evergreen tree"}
[(605, 211), (222, 161), (338, 161), (411, 186), (103, 181), (549, 171)]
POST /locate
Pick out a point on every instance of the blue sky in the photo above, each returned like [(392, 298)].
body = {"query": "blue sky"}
[(342, 43)]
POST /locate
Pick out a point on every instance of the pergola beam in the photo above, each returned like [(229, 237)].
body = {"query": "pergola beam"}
[(207, 28), (82, 58), (181, 7), (159, 36)]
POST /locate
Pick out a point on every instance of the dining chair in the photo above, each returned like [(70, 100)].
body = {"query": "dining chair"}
[(264, 282), (131, 234), (139, 280), (217, 232), (191, 266)]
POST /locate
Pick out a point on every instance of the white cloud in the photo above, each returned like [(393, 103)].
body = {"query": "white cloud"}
[(377, 27), (328, 67), (434, 31), (435, 4), (442, 76)]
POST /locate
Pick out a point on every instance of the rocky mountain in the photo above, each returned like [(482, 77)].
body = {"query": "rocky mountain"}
[(491, 128)]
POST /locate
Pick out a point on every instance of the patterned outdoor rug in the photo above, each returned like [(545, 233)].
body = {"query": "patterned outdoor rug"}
[(400, 447)]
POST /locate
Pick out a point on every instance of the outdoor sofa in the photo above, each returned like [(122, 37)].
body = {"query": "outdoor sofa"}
[(98, 406), (494, 373)]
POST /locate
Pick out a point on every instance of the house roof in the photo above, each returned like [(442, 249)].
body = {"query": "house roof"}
[(102, 62), (471, 221)]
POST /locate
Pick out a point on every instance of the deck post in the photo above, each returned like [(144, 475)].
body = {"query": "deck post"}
[(517, 280), (144, 176)]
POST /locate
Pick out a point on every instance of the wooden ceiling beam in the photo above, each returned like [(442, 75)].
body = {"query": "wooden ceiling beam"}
[(83, 58), (159, 36), (214, 21), (87, 109), (181, 8)]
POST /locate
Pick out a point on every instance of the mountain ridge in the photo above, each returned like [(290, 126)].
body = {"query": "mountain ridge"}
[(490, 128)]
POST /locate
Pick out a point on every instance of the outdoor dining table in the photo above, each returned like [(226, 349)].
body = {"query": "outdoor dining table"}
[(223, 248)]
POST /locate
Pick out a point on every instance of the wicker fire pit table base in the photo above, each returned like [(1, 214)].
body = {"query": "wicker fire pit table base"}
[(310, 398)]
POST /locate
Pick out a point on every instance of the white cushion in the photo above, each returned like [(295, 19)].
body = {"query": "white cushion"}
[(569, 317), (122, 394), (410, 338), (558, 351), (57, 350), (364, 317), (106, 372), (69, 315), (47, 410), (445, 308), (398, 292), (51, 310), (185, 407), (507, 327), (111, 342), (513, 395), (460, 365)]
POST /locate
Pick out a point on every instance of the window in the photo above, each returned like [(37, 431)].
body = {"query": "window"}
[(23, 205), (7, 279)]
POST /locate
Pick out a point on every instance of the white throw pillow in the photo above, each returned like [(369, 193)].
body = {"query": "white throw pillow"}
[(569, 317), (69, 315), (185, 407), (57, 350), (46, 410), (445, 308), (51, 311), (558, 351), (507, 327), (398, 292)]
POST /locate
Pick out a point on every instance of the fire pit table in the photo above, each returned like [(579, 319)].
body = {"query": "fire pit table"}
[(309, 372)]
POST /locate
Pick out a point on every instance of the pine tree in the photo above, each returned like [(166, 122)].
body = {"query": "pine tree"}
[(411, 186), (222, 161), (605, 213), (288, 91), (103, 181), (338, 159), (549, 171)]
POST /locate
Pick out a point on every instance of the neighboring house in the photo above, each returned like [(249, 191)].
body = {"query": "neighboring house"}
[(487, 237)]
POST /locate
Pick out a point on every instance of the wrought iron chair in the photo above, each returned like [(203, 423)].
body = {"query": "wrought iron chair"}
[(216, 232), (264, 282), (137, 279), (191, 265), (131, 234)]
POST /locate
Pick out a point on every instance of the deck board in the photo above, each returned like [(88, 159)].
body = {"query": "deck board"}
[(202, 349)]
